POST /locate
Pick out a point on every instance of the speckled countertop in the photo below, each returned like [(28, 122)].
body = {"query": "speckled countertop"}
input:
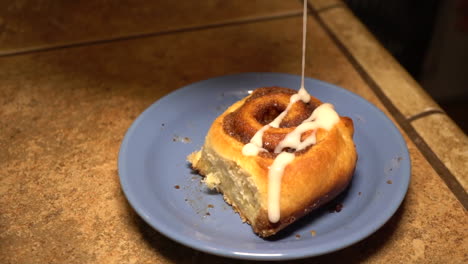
[(74, 76)]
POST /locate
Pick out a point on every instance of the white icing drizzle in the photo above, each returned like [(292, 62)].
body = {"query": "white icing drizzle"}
[(304, 31), (255, 144), (323, 116), (275, 173)]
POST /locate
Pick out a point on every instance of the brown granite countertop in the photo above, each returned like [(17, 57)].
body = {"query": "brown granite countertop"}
[(74, 76)]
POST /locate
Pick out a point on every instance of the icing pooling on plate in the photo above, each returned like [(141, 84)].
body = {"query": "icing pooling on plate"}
[(324, 116)]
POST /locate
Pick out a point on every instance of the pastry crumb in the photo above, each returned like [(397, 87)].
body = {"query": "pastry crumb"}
[(313, 233), (336, 208), (177, 187), (177, 138)]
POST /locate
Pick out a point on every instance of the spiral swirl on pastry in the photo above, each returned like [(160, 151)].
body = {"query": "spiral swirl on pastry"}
[(273, 188), (262, 107)]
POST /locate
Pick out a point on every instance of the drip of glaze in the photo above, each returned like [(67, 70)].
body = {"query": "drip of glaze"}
[(323, 116), (275, 173), (304, 31), (256, 142)]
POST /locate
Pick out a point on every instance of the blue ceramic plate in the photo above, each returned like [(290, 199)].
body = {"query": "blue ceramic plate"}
[(162, 189)]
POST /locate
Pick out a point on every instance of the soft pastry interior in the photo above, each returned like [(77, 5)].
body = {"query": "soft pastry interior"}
[(314, 173)]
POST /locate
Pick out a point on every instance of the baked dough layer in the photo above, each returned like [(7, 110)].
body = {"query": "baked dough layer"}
[(316, 175)]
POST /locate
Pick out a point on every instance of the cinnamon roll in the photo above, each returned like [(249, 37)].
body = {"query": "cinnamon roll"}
[(277, 155)]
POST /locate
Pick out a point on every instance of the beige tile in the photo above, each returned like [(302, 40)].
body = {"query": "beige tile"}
[(28, 24), (265, 46), (319, 5), (65, 112), (448, 142), (403, 91)]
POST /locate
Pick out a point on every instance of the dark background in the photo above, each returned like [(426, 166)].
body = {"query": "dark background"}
[(430, 39)]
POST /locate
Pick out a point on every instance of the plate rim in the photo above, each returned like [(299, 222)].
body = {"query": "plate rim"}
[(290, 254)]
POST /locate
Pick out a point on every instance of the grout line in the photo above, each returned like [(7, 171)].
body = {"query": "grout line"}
[(424, 114), (449, 179), (326, 8), (234, 22)]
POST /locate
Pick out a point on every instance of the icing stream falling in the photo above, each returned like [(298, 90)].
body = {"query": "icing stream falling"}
[(323, 116)]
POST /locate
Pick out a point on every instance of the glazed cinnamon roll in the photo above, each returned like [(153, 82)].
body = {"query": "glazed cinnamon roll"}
[(277, 155)]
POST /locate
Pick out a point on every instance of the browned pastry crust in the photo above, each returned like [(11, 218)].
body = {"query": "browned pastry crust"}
[(317, 174)]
